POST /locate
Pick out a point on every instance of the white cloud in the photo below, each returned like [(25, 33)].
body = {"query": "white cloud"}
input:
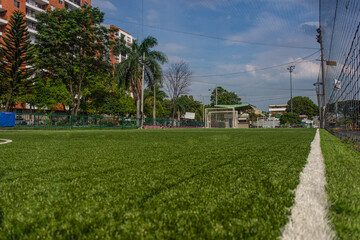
[(104, 4), (250, 69), (173, 59), (130, 19), (152, 14), (269, 26), (315, 24), (171, 48), (306, 70)]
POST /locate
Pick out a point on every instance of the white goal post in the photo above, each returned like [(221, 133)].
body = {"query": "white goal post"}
[(221, 118)]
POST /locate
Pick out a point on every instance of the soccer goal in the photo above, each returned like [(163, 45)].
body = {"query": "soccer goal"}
[(221, 118)]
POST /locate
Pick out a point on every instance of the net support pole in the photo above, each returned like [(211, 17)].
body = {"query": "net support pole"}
[(142, 91)]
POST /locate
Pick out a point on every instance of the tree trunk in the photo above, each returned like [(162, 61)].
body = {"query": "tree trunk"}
[(154, 108), (137, 107), (173, 110), (77, 106), (79, 93), (7, 105)]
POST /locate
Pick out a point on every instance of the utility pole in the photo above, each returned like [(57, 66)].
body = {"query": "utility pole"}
[(203, 109), (216, 95), (322, 78), (291, 69), (317, 84), (142, 91)]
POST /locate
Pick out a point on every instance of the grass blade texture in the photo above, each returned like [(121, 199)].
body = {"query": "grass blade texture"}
[(343, 177), (178, 184)]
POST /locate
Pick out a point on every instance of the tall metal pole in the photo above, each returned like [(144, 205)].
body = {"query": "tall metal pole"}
[(291, 69), (142, 91), (154, 108), (216, 95)]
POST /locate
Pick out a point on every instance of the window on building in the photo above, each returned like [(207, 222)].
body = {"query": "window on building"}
[(16, 4), (61, 1), (52, 8)]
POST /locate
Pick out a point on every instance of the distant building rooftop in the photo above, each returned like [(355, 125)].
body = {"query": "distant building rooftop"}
[(278, 106)]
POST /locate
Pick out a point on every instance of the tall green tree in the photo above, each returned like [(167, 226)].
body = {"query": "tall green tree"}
[(303, 106), (187, 103), (224, 97), (129, 72), (154, 101), (290, 118), (74, 47), (16, 59)]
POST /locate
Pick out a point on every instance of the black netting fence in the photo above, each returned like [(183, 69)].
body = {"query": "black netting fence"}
[(56, 121), (340, 21)]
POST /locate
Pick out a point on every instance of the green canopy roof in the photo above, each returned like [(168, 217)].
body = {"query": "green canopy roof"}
[(233, 106)]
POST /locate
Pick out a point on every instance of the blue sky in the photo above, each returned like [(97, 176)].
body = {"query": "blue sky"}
[(236, 36)]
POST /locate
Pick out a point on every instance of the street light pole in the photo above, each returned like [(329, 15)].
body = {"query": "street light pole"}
[(216, 95), (291, 69)]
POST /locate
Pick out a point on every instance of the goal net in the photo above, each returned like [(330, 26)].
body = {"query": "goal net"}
[(221, 118)]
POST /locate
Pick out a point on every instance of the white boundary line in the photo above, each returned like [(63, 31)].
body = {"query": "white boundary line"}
[(308, 218), (6, 141)]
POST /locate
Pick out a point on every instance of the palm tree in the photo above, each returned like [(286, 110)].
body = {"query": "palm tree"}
[(154, 94), (129, 72)]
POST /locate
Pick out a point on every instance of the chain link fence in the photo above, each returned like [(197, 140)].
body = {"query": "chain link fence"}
[(54, 121), (340, 21)]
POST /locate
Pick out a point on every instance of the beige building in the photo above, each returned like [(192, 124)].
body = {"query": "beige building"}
[(277, 110)]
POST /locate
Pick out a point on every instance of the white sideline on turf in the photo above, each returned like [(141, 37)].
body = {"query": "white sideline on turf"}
[(308, 218), (6, 141)]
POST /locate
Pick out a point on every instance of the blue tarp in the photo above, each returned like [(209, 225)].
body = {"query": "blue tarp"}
[(7, 119)]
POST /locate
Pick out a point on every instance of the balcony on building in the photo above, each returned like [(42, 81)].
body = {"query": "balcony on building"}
[(31, 26), (31, 15), (3, 21), (72, 4), (36, 6)]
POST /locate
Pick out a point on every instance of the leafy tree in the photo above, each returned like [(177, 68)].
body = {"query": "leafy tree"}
[(303, 106), (73, 46), (119, 104), (129, 72), (152, 99), (224, 97), (48, 93), (16, 59), (290, 118), (187, 103), (167, 106)]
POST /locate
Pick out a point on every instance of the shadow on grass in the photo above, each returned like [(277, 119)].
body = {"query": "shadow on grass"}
[(155, 192)]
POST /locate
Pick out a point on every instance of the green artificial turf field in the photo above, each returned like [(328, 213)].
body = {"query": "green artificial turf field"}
[(153, 184), (343, 177)]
